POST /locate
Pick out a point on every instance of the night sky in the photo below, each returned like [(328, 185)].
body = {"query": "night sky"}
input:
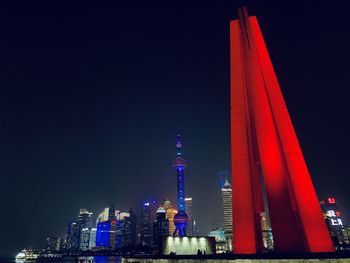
[(92, 96)]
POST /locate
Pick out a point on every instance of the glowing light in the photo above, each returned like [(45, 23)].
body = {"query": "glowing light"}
[(331, 200)]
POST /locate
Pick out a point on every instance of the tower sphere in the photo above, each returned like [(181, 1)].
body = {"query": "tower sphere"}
[(179, 163), (181, 218)]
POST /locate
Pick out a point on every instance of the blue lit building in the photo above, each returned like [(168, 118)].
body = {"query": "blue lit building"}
[(106, 234), (102, 234), (181, 218)]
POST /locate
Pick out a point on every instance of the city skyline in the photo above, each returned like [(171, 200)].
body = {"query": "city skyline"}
[(84, 104)]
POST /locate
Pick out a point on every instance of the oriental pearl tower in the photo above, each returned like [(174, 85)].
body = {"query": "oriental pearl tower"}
[(181, 218)]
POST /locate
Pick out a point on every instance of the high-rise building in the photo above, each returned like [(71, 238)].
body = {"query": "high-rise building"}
[(334, 223), (226, 199), (84, 222), (188, 207), (267, 238), (106, 234), (103, 216), (72, 236), (84, 219), (266, 157), (85, 238), (146, 225), (129, 230), (53, 244), (160, 229), (170, 214), (92, 239), (102, 234), (111, 212), (181, 218)]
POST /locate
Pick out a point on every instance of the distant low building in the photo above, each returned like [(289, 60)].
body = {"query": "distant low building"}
[(188, 245), (220, 240)]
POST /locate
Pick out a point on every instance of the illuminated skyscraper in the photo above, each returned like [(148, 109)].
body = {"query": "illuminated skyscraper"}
[(84, 222), (106, 234), (146, 225), (92, 239), (84, 238), (266, 156), (160, 229), (226, 198), (72, 237), (188, 206), (170, 214), (103, 216), (128, 230), (181, 218), (334, 223), (267, 238), (84, 219)]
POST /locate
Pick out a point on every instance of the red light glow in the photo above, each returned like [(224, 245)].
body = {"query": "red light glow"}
[(262, 133)]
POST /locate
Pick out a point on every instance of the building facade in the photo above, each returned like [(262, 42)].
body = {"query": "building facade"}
[(146, 225), (334, 221), (188, 208), (72, 236), (129, 225), (226, 200), (160, 229)]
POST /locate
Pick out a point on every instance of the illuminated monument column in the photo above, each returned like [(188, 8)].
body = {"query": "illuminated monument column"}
[(266, 155), (181, 218)]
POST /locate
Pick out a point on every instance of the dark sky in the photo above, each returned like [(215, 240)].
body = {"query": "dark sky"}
[(91, 97)]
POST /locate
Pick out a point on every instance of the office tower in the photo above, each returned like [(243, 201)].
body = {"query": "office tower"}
[(128, 230), (102, 234), (170, 214), (226, 199), (160, 229), (103, 216), (72, 236), (111, 212), (92, 239), (188, 208), (106, 234), (53, 244), (266, 156), (334, 223), (84, 222), (146, 225), (181, 218), (267, 238), (84, 219), (84, 239)]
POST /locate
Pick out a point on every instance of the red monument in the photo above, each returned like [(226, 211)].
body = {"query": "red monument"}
[(266, 155)]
